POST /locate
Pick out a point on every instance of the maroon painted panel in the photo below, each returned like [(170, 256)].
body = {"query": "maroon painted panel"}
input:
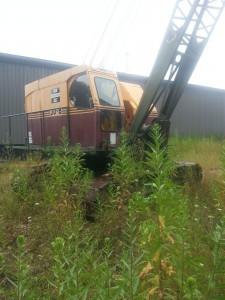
[(47, 130), (35, 131), (83, 126), (53, 128)]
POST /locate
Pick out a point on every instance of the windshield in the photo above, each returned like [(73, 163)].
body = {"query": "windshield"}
[(107, 92)]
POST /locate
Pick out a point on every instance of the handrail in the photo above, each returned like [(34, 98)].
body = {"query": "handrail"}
[(37, 111), (11, 117)]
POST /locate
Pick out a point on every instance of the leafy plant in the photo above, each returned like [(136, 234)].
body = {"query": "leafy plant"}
[(131, 260), (164, 231), (21, 283), (71, 263), (66, 171), (126, 169), (20, 183), (104, 274)]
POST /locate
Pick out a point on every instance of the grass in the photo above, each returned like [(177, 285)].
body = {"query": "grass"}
[(205, 151), (149, 238)]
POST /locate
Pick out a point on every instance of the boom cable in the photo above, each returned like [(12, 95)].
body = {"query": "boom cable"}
[(102, 35), (121, 31)]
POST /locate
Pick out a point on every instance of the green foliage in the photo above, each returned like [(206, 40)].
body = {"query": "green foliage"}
[(217, 260), (191, 290), (131, 259), (72, 263), (2, 274), (160, 240), (159, 166), (163, 232), (205, 151), (64, 174), (126, 169), (20, 281), (20, 183), (104, 274)]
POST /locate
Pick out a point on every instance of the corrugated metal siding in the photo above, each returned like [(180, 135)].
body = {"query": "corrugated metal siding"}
[(13, 78), (201, 112), (15, 72)]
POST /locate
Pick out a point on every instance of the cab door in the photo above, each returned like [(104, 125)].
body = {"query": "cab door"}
[(82, 113)]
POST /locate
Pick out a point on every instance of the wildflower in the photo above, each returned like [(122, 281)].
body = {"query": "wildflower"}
[(170, 271), (210, 217)]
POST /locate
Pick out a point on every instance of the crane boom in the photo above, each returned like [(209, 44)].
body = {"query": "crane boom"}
[(188, 32)]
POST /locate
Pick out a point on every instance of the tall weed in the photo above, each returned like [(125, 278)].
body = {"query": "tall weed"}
[(21, 285), (126, 169), (131, 257), (165, 232), (63, 175), (67, 172), (73, 257)]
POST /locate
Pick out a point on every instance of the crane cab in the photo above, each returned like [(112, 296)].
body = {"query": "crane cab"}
[(91, 104), (87, 102)]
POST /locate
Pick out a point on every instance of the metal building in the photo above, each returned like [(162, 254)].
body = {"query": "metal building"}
[(201, 110), (15, 72)]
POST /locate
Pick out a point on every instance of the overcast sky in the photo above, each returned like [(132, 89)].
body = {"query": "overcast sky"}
[(71, 31)]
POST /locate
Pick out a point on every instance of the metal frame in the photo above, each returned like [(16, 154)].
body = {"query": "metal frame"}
[(26, 143), (188, 32)]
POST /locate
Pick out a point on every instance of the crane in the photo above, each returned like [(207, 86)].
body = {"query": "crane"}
[(94, 105), (190, 27)]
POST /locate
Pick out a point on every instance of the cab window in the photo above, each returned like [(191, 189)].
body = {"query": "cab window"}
[(107, 92), (110, 120), (79, 92)]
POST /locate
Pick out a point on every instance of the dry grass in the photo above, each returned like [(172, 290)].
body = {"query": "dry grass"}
[(204, 151)]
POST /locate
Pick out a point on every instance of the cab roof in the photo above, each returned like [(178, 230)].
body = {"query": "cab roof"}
[(61, 77)]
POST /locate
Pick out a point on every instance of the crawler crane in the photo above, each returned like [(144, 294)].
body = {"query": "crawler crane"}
[(95, 106)]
